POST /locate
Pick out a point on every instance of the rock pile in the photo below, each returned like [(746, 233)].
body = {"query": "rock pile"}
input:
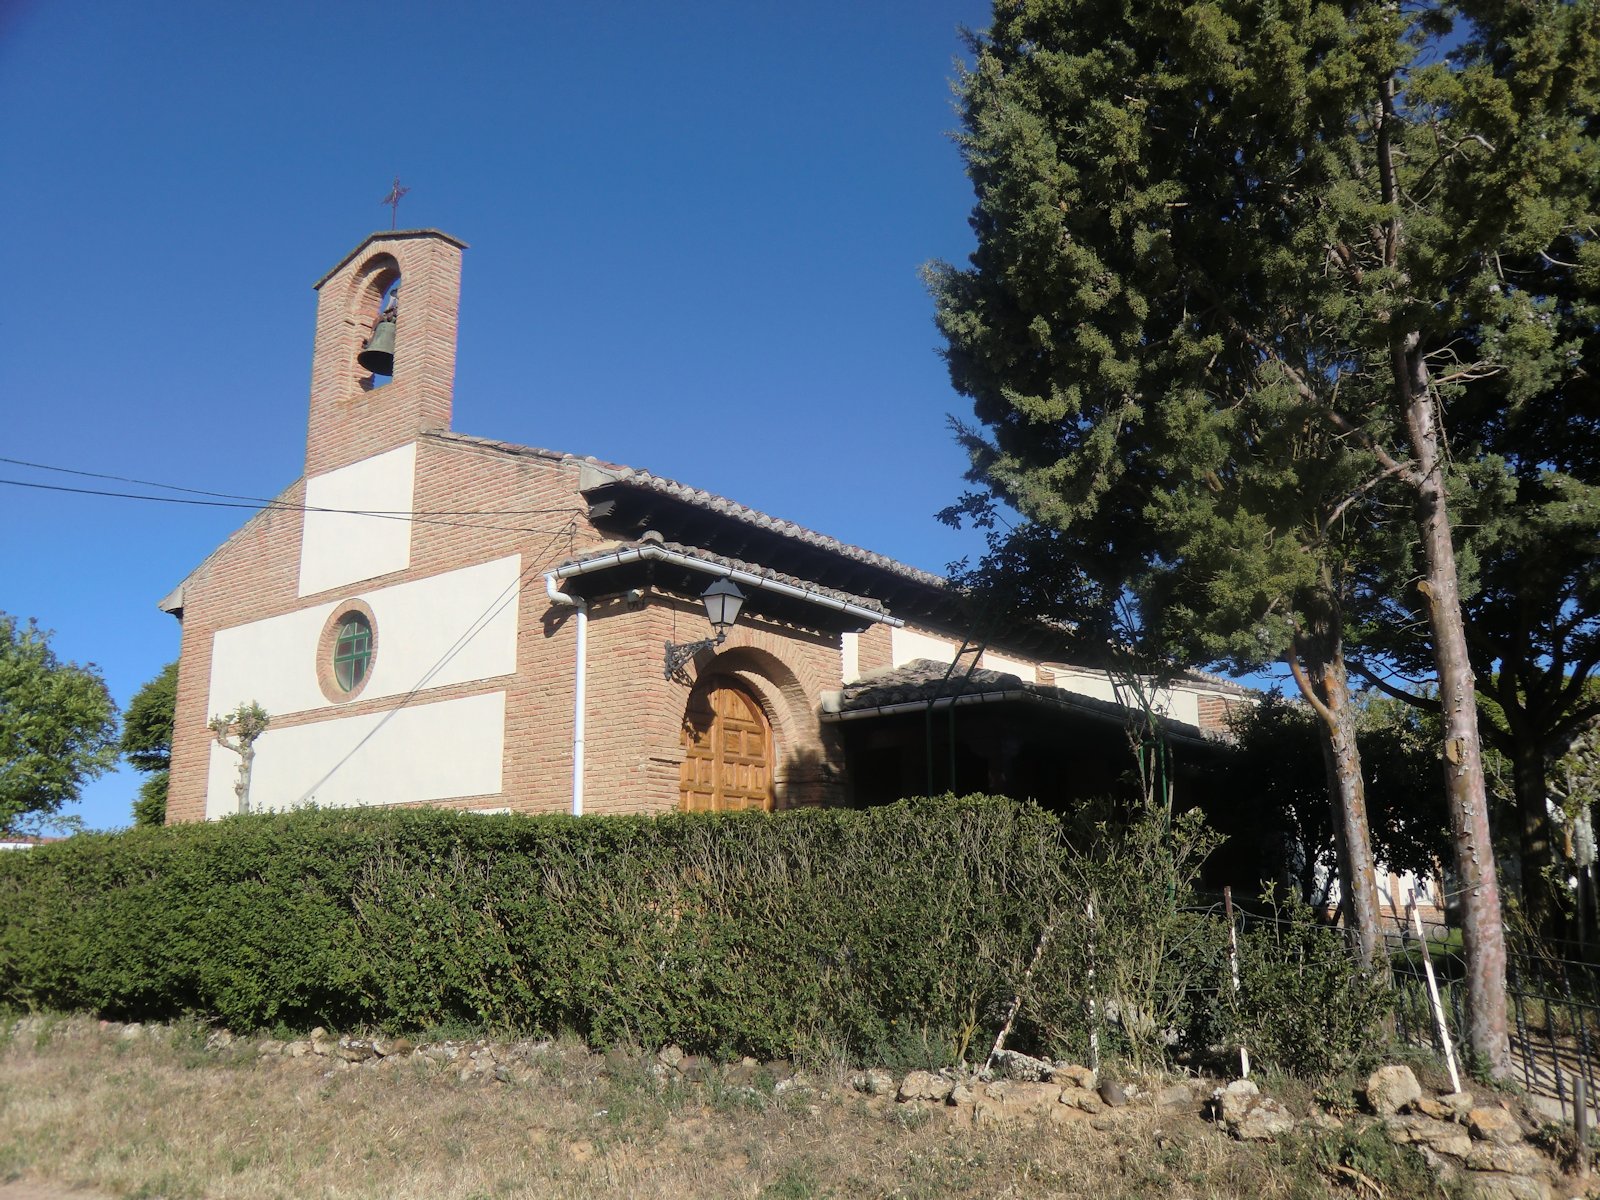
[(1251, 1117), (514, 1062), (1019, 1088), (1479, 1146)]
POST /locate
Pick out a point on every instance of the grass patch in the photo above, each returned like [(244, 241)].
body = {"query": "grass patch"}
[(170, 1116)]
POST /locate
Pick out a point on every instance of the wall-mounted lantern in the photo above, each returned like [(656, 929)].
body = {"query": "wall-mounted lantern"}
[(723, 600)]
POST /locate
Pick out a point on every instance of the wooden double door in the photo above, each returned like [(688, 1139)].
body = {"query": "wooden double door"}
[(727, 751)]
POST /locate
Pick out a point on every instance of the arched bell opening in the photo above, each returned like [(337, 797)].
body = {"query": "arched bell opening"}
[(376, 313)]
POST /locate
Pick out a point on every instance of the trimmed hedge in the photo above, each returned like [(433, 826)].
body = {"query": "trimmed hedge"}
[(894, 934)]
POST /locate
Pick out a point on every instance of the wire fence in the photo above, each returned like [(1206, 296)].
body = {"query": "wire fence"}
[(1553, 1015), (1552, 998)]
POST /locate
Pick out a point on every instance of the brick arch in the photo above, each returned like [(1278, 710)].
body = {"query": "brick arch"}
[(806, 758), (364, 293), (367, 284), (778, 688)]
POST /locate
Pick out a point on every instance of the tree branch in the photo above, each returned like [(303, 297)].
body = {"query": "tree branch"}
[(1425, 703), (1292, 657), (1343, 505)]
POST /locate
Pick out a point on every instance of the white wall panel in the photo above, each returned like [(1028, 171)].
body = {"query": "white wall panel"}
[(1084, 683), (907, 644), (418, 625), (1023, 670), (337, 548), (1180, 704), (850, 657), (273, 662), (420, 752)]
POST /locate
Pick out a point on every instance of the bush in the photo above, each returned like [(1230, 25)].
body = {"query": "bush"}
[(1304, 1007), (894, 933), (1120, 923), (898, 935)]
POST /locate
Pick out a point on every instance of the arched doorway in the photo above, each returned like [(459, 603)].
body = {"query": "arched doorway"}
[(727, 751)]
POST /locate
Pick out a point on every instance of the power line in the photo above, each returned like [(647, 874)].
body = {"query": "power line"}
[(262, 500), (279, 506)]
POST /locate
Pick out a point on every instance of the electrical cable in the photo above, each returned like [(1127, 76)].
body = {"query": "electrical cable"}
[(174, 487), (276, 506)]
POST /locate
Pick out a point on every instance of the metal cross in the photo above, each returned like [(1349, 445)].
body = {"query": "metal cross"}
[(393, 201)]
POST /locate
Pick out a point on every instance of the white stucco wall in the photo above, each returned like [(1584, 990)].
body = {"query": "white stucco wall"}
[(420, 752), (338, 548), (850, 657), (1024, 671), (418, 626), (1082, 682), (1180, 704), (907, 644)]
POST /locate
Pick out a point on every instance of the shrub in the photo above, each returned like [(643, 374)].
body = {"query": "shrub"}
[(894, 932), (1120, 923), (1303, 1006), (898, 935)]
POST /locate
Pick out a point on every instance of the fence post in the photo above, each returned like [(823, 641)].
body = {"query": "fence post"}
[(1433, 993), (1094, 1017), (1233, 969), (1580, 1124)]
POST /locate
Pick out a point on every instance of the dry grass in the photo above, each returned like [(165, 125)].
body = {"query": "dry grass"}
[(168, 1118)]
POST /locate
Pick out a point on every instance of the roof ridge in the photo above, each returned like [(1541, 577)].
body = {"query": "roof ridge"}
[(728, 561), (703, 498)]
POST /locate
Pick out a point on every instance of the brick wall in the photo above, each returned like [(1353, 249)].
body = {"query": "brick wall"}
[(634, 716), (1214, 712), (350, 419)]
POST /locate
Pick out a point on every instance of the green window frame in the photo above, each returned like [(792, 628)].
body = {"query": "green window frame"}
[(352, 652)]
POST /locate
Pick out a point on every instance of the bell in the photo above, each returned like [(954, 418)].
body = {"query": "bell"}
[(378, 354)]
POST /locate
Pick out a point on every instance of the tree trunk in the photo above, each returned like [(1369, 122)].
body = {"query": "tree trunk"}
[(1414, 399), (1483, 932), (1533, 828), (1326, 687)]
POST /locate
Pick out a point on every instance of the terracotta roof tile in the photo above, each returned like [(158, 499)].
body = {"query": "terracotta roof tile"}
[(710, 502), (722, 560)]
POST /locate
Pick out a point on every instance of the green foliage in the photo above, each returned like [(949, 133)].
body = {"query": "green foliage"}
[(147, 725), (765, 935), (897, 935), (57, 724), (1234, 263), (1302, 1007), (1273, 805), (147, 742), (1121, 938), (150, 808), (1368, 1150)]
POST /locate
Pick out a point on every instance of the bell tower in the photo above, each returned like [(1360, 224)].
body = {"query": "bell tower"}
[(390, 305)]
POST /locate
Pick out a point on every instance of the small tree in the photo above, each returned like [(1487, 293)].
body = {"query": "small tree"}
[(147, 742), (58, 724), (1273, 804), (238, 731)]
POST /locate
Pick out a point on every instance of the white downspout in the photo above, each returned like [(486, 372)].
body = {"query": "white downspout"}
[(580, 672)]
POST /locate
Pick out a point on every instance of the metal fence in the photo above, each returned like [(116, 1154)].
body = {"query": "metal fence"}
[(1552, 996), (1554, 1015)]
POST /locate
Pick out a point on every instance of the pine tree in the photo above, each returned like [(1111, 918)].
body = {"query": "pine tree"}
[(147, 742), (1232, 260)]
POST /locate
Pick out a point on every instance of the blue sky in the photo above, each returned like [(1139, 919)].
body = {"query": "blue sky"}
[(695, 231)]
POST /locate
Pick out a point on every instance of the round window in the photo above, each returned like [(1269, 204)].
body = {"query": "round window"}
[(352, 651)]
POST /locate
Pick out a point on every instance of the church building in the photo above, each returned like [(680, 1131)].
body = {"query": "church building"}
[(429, 617)]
